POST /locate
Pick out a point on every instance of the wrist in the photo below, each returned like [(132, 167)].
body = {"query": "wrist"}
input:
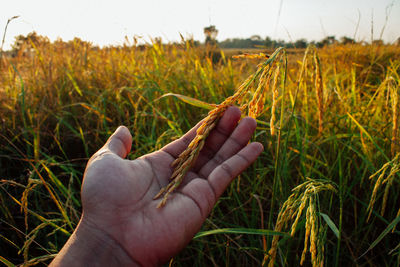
[(88, 246)]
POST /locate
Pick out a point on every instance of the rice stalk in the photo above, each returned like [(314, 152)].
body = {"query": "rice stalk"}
[(319, 92), (37, 260), (32, 183), (306, 235), (365, 147), (256, 104), (251, 56), (304, 195), (275, 95), (394, 166), (187, 158), (395, 118)]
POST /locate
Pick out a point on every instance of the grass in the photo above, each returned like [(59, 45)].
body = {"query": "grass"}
[(326, 117)]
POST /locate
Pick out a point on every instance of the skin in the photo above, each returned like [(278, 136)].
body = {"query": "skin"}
[(120, 223)]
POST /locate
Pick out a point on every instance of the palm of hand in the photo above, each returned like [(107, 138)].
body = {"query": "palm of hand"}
[(117, 194)]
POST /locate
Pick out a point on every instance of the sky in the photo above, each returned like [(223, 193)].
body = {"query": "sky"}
[(108, 22)]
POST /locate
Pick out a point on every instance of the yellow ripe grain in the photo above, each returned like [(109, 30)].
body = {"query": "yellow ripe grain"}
[(251, 56), (187, 158), (319, 92), (395, 119), (314, 233), (306, 235), (375, 191), (365, 147), (321, 249), (283, 217), (32, 183), (389, 181), (395, 168), (303, 204), (275, 95), (256, 104), (303, 195), (274, 246)]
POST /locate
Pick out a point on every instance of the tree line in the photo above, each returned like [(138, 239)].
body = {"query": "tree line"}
[(256, 41), (25, 43)]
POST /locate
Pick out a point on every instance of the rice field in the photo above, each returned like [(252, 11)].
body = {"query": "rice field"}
[(328, 180)]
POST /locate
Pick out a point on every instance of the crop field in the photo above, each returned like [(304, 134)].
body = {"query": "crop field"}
[(325, 191)]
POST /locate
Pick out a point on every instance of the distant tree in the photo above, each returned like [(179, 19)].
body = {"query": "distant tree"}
[(255, 38), (347, 40), (211, 34), (301, 43), (329, 40), (378, 42), (236, 43), (279, 43), (24, 44), (398, 41), (268, 41)]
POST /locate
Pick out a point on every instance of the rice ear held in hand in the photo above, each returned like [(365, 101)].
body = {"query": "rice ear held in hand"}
[(188, 157)]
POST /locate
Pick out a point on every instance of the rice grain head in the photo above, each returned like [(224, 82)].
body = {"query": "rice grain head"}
[(275, 95), (394, 166), (187, 158), (395, 117), (319, 92), (256, 104), (303, 196)]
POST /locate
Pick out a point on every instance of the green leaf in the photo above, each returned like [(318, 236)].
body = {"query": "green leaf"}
[(271, 59), (382, 235), (330, 223), (74, 83), (201, 104), (192, 101), (6, 262), (393, 250), (367, 134), (248, 231)]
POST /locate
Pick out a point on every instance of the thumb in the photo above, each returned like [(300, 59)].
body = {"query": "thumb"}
[(120, 142)]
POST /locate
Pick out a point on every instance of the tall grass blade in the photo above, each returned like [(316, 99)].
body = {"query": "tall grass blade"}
[(6, 262), (192, 101), (389, 228), (330, 223), (248, 231)]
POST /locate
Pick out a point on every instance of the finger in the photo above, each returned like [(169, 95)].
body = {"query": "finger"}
[(119, 143), (238, 139), (218, 136), (225, 126), (222, 175), (201, 193), (176, 147)]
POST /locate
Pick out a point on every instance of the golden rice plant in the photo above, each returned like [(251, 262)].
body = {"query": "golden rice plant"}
[(275, 95), (255, 106), (311, 76), (251, 56), (186, 159), (304, 196), (394, 92), (387, 173), (72, 94), (319, 91)]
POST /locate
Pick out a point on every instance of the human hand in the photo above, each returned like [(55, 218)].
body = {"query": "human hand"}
[(121, 223)]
